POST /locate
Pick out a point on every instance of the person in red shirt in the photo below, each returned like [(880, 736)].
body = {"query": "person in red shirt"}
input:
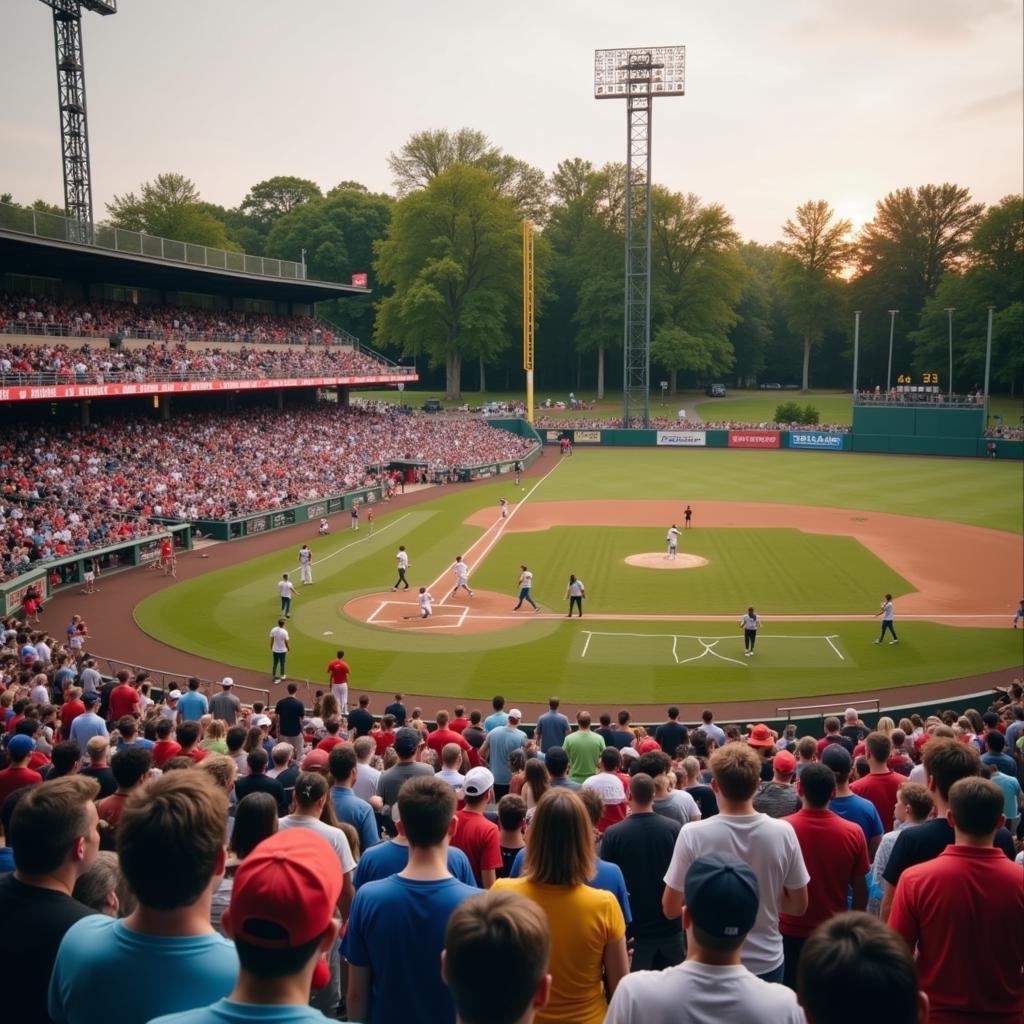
[(963, 912), (130, 768), (881, 785), (332, 739), (898, 761), (165, 748), (337, 672), (19, 750), (188, 734), (475, 836), (124, 698), (442, 736), (19, 713), (70, 710), (460, 721), (836, 854), (384, 736)]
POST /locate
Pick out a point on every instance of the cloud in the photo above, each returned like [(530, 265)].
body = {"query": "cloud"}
[(998, 103)]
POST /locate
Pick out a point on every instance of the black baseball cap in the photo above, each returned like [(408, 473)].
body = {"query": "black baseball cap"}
[(722, 895)]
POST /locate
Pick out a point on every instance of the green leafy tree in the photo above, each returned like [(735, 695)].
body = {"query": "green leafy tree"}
[(169, 206), (268, 200), (817, 250), (703, 355), (752, 333), (453, 257)]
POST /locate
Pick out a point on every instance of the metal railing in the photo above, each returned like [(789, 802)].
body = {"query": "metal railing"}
[(919, 398), (138, 243), (359, 346), (823, 711), (49, 329)]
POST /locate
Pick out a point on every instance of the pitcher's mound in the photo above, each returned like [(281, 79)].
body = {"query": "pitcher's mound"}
[(659, 560)]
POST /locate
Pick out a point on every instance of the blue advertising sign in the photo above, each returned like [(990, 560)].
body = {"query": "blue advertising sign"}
[(828, 442)]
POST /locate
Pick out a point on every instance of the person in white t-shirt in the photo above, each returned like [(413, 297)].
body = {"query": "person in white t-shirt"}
[(751, 624), (461, 576), (279, 648), (402, 560), (768, 845), (525, 586), (712, 984), (426, 603), (286, 591), (306, 565), (673, 541), (888, 615), (451, 758)]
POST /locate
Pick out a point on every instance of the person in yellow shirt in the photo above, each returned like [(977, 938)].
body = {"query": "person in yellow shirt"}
[(588, 931)]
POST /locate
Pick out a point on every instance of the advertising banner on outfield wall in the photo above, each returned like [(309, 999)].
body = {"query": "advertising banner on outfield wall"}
[(753, 439), (682, 438), (823, 442), (586, 436)]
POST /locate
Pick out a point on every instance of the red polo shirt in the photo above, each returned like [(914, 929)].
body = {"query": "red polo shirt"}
[(17, 778), (835, 853), (963, 911), (478, 839), (881, 790), (123, 700), (439, 738), (163, 751), (68, 713), (458, 724)]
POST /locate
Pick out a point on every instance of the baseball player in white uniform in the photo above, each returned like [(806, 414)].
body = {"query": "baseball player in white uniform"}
[(461, 576), (426, 603), (306, 565), (673, 540)]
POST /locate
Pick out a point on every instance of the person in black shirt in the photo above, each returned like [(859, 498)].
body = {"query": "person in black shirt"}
[(605, 732), (474, 733), (55, 835), (290, 712), (398, 710), (98, 750), (511, 815), (853, 728), (642, 846), (257, 781), (671, 734), (703, 794), (360, 721)]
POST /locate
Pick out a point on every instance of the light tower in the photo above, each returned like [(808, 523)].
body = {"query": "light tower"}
[(74, 129), (638, 76)]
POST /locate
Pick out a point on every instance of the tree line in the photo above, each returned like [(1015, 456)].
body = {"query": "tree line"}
[(443, 256)]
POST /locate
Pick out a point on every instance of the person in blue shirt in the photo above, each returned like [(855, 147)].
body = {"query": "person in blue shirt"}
[(498, 718), (283, 919), (997, 757), (84, 727), (349, 808), (128, 732), (193, 704), (846, 803), (389, 858), (171, 840), (500, 743), (552, 727), (412, 909)]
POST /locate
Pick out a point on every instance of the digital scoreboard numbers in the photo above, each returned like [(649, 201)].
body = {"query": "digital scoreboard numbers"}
[(923, 383)]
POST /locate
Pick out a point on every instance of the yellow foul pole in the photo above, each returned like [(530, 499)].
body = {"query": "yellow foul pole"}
[(528, 315)]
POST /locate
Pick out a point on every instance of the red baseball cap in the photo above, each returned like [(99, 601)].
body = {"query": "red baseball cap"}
[(315, 759), (784, 762), (649, 744), (291, 880)]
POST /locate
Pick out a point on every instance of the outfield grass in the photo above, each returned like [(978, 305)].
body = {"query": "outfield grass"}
[(226, 615), (759, 406)]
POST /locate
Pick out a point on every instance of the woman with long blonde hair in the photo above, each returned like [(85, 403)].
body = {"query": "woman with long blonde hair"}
[(588, 931)]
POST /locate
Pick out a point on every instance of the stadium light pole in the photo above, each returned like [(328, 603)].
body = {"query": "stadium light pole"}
[(950, 310), (892, 329), (856, 350), (638, 76)]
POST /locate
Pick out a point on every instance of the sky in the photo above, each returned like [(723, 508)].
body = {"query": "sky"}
[(786, 100)]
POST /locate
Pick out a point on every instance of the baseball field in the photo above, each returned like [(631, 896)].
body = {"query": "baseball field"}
[(811, 540)]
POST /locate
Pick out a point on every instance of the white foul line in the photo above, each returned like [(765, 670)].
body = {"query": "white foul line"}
[(377, 612), (586, 644), (828, 640), (353, 543)]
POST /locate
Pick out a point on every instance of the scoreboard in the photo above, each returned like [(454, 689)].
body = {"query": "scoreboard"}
[(923, 383)]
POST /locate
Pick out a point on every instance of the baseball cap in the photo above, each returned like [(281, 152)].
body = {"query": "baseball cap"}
[(647, 745), (314, 760), (516, 714), (784, 762), (628, 753), (260, 720), (227, 681), (837, 757), (290, 881), (407, 741), (760, 736), (478, 781), (88, 699), (721, 895), (20, 745), (174, 695)]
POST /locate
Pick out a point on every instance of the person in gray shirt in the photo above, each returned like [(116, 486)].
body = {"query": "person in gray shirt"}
[(407, 743), (225, 705), (89, 679), (779, 797)]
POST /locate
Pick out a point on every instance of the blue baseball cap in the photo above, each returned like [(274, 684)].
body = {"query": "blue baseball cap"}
[(20, 745), (722, 895)]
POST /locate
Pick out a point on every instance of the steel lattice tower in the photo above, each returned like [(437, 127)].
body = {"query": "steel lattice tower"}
[(74, 128)]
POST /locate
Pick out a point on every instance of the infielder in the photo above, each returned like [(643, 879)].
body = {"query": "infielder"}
[(461, 577), (306, 565), (673, 541), (525, 586), (402, 558), (503, 505), (751, 624)]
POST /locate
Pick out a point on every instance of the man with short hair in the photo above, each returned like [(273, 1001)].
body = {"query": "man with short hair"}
[(851, 954), (257, 781), (280, 645), (498, 747), (722, 909), (768, 846), (284, 768), (193, 704), (128, 730), (707, 718), (98, 768), (779, 797), (833, 735), (451, 759), (290, 711), (188, 734), (225, 706), (475, 836), (846, 803), (443, 735), (337, 672), (913, 806), (130, 768), (65, 760), (552, 727), (286, 591), (668, 801), (836, 856), (171, 847), (853, 728), (360, 719), (283, 920), (18, 774), (55, 838), (407, 743), (497, 928), (968, 972), (642, 845), (498, 717), (612, 787), (584, 749), (412, 909), (349, 808), (996, 756), (557, 763), (165, 747), (124, 698), (397, 710), (881, 784), (671, 734), (365, 785), (89, 724), (946, 761)]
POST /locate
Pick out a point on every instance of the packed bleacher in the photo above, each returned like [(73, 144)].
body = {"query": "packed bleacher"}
[(69, 489), (23, 314), (290, 863), (23, 365), (682, 423)]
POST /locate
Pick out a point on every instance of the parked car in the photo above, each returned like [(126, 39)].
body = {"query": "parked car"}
[(715, 391), (432, 405), (771, 387), (491, 408)]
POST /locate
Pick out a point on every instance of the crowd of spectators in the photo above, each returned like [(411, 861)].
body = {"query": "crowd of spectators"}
[(682, 422), (24, 314), (66, 489), (294, 863), (25, 365)]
